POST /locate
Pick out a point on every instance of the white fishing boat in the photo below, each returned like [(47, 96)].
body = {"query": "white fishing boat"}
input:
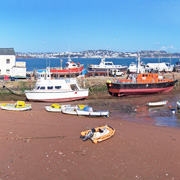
[(56, 107), (159, 103), (18, 106), (88, 111), (55, 90), (105, 67)]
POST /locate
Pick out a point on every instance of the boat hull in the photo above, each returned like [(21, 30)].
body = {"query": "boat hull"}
[(103, 71), (120, 89), (93, 113), (67, 71), (64, 96)]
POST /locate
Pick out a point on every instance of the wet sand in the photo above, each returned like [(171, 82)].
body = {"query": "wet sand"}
[(41, 145)]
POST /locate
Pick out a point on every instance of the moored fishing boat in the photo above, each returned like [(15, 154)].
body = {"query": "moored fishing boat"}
[(18, 106), (139, 84), (55, 90), (98, 134)]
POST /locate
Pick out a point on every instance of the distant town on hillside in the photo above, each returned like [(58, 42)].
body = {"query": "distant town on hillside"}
[(100, 54)]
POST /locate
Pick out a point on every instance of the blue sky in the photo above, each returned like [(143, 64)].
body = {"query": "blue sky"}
[(78, 25)]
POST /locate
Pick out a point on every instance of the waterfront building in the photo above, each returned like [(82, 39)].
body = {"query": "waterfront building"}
[(9, 66)]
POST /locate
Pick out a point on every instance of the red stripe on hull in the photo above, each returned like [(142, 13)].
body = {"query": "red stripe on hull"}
[(67, 71), (140, 91), (59, 100)]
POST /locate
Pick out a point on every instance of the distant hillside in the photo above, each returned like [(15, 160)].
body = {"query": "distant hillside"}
[(100, 54)]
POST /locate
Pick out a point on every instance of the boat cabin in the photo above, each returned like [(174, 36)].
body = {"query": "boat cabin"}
[(147, 78)]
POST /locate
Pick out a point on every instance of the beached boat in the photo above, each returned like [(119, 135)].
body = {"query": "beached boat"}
[(105, 67), (72, 109), (159, 103), (56, 107), (98, 134), (18, 106), (140, 84), (55, 90), (88, 111), (70, 68)]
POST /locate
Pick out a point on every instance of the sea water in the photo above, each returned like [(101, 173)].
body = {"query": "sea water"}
[(42, 63)]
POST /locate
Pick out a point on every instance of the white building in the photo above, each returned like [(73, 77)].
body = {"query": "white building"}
[(8, 64)]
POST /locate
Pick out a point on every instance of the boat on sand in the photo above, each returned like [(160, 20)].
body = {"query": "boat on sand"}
[(88, 111), (72, 109), (98, 134), (159, 103), (55, 90), (18, 106), (56, 107)]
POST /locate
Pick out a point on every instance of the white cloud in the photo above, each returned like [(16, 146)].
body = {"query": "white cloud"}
[(167, 48)]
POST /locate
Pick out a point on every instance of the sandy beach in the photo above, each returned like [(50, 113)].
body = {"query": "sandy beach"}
[(39, 145)]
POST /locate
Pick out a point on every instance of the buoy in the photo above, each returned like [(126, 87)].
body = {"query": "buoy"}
[(169, 106)]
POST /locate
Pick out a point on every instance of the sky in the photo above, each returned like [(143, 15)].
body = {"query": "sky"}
[(80, 25)]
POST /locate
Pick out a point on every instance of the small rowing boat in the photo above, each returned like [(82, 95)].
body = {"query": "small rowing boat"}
[(88, 111), (159, 103), (72, 109), (18, 106), (98, 134), (56, 107)]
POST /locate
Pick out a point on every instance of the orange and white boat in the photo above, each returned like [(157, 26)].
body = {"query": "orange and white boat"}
[(139, 84), (71, 68), (98, 134)]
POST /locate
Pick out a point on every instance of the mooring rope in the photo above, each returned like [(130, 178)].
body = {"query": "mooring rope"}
[(26, 138)]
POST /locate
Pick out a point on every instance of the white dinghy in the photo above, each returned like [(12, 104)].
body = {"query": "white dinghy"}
[(18, 106), (159, 103), (88, 111)]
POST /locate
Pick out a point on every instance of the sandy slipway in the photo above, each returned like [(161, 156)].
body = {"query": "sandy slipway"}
[(37, 144)]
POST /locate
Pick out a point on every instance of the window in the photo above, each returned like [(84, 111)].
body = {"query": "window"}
[(57, 87), (7, 61), (0, 71), (50, 87), (42, 87), (7, 71)]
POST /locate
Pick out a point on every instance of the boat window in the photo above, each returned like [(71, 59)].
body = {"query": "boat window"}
[(57, 87), (42, 87), (38, 87), (50, 87), (73, 65)]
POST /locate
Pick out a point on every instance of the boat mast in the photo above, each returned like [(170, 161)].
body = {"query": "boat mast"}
[(138, 67)]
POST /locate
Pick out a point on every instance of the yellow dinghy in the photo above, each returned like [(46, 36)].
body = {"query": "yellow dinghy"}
[(98, 134), (18, 106)]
